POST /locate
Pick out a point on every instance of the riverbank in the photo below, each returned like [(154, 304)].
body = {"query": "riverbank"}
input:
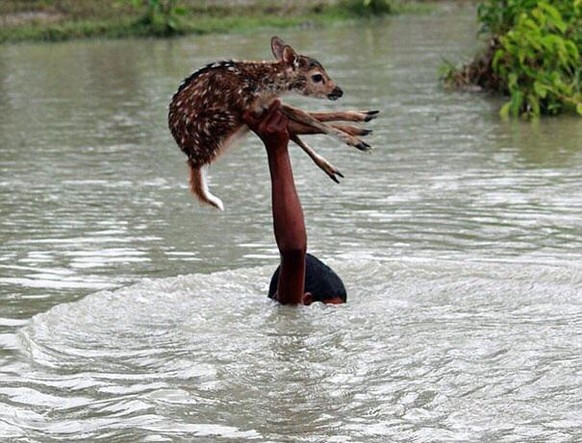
[(25, 20)]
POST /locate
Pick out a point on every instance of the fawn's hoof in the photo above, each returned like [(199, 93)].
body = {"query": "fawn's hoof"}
[(331, 171), (371, 115), (334, 175), (363, 146)]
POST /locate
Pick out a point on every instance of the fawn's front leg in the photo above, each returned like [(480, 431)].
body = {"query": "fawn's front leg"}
[(323, 164), (345, 116), (301, 128), (307, 119)]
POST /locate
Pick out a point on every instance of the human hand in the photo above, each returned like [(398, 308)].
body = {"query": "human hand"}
[(271, 126)]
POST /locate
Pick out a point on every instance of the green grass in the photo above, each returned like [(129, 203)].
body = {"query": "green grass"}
[(56, 20), (130, 27)]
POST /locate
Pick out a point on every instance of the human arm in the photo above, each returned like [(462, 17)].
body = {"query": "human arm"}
[(288, 221)]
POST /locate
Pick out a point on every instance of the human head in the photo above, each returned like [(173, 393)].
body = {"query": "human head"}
[(320, 281)]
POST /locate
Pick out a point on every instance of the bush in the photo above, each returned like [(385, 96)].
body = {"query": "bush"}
[(366, 8), (160, 16), (533, 56)]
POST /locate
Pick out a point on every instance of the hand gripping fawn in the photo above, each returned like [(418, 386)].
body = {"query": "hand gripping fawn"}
[(206, 114)]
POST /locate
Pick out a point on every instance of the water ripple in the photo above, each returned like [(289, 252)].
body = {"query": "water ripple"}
[(458, 238), (440, 349)]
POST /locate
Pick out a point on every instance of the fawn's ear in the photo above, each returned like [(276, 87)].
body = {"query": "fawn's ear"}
[(282, 51)]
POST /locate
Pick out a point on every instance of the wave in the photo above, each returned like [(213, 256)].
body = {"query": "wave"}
[(419, 342)]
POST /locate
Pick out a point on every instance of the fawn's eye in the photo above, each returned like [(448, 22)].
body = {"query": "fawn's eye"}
[(317, 78)]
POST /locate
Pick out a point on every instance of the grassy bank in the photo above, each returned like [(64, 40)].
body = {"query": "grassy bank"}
[(54, 20)]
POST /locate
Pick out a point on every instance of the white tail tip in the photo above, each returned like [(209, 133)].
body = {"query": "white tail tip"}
[(208, 196), (215, 201), (199, 187)]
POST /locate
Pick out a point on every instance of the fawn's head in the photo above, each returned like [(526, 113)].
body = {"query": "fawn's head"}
[(307, 75)]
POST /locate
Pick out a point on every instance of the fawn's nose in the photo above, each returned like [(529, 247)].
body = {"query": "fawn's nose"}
[(336, 93)]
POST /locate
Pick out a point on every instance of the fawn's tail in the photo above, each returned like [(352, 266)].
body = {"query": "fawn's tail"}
[(199, 187)]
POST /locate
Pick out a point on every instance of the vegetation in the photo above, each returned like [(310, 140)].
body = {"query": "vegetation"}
[(367, 8), (64, 19), (533, 56), (161, 16)]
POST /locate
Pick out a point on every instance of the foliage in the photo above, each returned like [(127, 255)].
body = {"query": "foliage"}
[(498, 16), (367, 8), (52, 20), (161, 16), (533, 56), (540, 63)]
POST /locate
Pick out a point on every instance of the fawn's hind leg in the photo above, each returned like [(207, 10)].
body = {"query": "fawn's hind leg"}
[(305, 118)]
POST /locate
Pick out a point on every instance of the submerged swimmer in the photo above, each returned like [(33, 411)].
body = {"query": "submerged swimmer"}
[(300, 278)]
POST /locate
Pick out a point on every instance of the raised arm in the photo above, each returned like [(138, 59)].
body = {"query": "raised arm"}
[(288, 222)]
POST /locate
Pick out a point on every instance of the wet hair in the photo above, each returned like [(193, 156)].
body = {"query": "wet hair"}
[(320, 280)]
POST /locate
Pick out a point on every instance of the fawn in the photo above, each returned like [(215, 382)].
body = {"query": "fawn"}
[(206, 113)]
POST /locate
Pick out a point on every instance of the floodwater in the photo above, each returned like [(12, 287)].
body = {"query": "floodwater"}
[(130, 314)]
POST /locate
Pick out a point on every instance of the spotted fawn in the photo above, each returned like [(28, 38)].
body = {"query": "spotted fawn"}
[(206, 114)]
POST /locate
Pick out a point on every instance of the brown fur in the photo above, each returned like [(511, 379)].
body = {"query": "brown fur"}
[(206, 113)]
